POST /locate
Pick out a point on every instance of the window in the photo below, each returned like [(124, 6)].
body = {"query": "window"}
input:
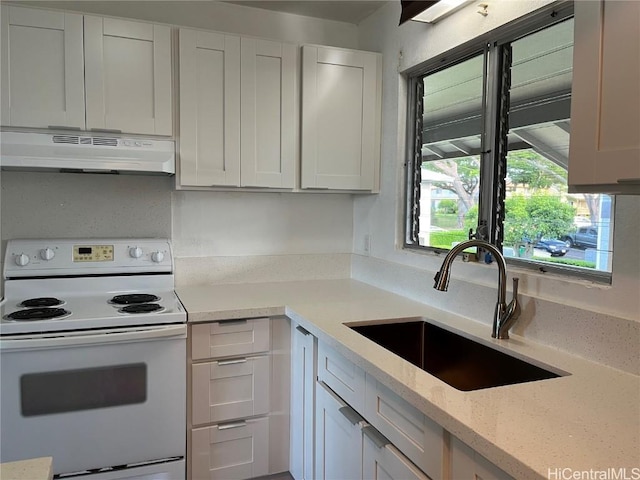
[(490, 129)]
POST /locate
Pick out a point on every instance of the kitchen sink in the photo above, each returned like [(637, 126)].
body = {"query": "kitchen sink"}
[(463, 363)]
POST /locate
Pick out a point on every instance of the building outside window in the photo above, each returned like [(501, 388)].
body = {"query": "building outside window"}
[(490, 130)]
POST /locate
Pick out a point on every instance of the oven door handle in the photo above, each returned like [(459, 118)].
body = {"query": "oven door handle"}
[(101, 337)]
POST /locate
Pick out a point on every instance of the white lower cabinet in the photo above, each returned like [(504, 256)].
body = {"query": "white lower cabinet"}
[(341, 375), (348, 448), (230, 451), (231, 388), (303, 380), (238, 415), (382, 461), (376, 434), (338, 438), (467, 463), (416, 435)]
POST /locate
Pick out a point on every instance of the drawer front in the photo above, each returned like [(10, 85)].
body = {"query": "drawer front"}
[(229, 338), (342, 376), (230, 451), (229, 389), (386, 461), (415, 435)]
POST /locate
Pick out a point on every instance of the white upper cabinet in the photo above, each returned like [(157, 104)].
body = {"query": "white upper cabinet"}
[(269, 112), (341, 105), (42, 68), (605, 107), (238, 111), (209, 109), (52, 61), (128, 76)]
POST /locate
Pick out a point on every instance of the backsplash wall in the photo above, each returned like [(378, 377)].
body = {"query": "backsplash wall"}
[(54, 205)]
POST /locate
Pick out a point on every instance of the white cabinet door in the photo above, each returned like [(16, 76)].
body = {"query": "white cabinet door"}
[(42, 68), (338, 438), (605, 104), (466, 463), (230, 451), (128, 76), (303, 380), (383, 461), (209, 109), (341, 105), (268, 117)]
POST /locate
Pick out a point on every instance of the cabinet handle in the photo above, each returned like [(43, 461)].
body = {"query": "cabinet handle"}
[(230, 425), (350, 414), (375, 436), (231, 362), (63, 127), (105, 130), (227, 323), (302, 330)]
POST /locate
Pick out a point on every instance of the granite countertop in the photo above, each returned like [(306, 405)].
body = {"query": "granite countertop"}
[(32, 469), (586, 421)]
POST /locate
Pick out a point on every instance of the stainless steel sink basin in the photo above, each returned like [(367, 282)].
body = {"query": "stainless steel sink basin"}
[(459, 361)]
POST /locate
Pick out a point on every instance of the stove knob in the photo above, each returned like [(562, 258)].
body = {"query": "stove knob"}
[(22, 260), (135, 252), (157, 256), (47, 254)]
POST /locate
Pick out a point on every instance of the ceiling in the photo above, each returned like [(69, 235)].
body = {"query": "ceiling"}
[(341, 10)]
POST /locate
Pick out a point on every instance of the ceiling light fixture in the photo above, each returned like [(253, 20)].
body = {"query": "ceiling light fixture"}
[(429, 11)]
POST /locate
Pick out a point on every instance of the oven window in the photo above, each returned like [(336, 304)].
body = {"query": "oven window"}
[(83, 389)]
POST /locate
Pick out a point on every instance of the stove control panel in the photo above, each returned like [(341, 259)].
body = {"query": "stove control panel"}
[(93, 253), (67, 257)]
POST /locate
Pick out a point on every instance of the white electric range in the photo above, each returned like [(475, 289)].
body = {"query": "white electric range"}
[(93, 358)]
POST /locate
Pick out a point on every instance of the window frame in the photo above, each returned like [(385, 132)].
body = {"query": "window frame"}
[(494, 45)]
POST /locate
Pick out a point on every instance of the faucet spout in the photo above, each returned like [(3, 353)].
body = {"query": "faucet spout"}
[(504, 315)]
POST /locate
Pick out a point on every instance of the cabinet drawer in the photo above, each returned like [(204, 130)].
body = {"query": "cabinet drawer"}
[(229, 338), (386, 461), (229, 389), (417, 436), (342, 376), (230, 451)]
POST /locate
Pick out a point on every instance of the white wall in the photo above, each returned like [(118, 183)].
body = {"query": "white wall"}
[(236, 224), (382, 216)]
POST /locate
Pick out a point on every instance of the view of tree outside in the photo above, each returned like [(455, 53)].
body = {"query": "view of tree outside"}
[(537, 208)]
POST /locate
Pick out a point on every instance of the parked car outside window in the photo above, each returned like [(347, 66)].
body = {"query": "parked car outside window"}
[(585, 237), (556, 248)]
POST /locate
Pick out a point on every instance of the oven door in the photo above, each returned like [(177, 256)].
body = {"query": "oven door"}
[(94, 399)]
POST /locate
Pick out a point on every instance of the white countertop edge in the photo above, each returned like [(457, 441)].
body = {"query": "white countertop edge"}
[(32, 469)]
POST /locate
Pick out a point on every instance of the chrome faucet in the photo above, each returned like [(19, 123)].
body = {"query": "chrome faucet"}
[(505, 315)]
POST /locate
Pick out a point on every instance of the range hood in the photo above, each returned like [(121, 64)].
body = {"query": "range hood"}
[(90, 153)]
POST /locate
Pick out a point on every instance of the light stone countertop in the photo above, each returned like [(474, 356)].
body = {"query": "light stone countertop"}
[(32, 469), (586, 421)]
